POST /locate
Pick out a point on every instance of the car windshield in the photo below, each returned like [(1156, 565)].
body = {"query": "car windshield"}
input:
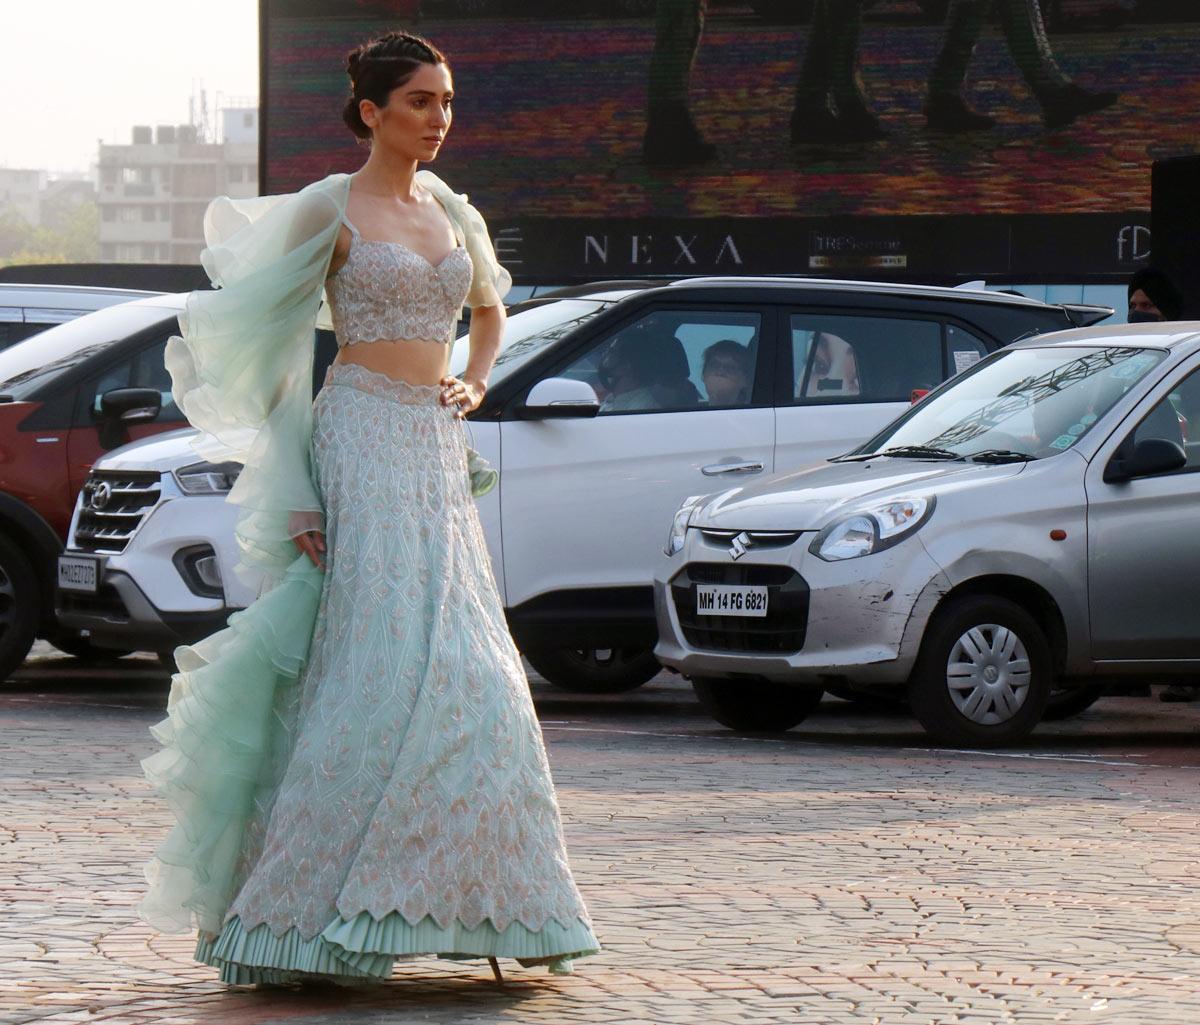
[(29, 364), (1020, 404), (531, 330)]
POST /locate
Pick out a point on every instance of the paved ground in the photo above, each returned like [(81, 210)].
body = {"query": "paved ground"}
[(843, 873)]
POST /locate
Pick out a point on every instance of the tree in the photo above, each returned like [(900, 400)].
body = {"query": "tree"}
[(76, 241)]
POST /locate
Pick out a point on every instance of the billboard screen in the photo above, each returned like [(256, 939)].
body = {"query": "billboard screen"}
[(918, 139)]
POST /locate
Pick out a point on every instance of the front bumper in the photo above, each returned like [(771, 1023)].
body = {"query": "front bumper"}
[(119, 615), (148, 599), (863, 619)]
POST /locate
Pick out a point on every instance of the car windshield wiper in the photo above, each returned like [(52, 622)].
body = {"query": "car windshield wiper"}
[(898, 452), (1000, 455), (918, 452)]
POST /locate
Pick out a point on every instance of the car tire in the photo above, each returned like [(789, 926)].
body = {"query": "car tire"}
[(756, 706), (1067, 702), (595, 670), (983, 675), (20, 607)]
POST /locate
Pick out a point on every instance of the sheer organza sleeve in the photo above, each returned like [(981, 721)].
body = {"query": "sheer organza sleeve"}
[(242, 369), (489, 281), (242, 374)]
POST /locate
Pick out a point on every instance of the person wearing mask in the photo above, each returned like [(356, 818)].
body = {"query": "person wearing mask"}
[(1153, 297)]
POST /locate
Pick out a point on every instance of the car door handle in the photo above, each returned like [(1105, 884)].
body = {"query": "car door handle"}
[(715, 469)]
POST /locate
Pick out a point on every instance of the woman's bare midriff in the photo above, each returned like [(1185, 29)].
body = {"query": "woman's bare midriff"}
[(407, 359)]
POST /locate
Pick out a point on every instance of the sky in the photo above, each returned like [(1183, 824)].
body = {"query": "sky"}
[(76, 71)]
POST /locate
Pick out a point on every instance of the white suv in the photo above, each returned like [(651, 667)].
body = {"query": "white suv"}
[(606, 409)]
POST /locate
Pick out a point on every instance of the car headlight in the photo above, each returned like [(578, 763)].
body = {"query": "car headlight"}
[(871, 530), (207, 478), (679, 525)]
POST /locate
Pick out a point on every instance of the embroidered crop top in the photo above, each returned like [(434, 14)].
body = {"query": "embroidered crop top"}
[(387, 291)]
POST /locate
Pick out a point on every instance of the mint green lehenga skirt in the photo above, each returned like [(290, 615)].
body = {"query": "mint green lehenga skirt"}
[(402, 804)]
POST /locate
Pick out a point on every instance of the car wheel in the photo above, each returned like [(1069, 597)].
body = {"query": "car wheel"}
[(595, 670), (756, 705), (983, 675), (1066, 702), (20, 607)]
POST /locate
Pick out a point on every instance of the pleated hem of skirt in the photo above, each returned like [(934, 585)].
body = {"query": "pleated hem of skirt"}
[(365, 948)]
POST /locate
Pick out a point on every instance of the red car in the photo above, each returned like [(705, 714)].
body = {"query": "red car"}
[(68, 395)]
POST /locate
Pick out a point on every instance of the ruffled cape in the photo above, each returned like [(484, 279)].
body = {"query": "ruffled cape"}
[(242, 372)]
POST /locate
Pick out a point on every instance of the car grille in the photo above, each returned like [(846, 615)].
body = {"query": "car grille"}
[(781, 630), (113, 507)]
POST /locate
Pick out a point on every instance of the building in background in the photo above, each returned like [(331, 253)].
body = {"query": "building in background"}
[(61, 197), (20, 190), (154, 191)]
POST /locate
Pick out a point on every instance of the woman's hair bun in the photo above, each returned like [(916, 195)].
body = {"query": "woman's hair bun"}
[(381, 65)]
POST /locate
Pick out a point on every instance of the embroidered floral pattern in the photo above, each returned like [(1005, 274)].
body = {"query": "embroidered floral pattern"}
[(384, 290), (416, 780)]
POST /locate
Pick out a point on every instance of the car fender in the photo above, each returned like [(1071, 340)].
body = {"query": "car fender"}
[(1068, 592), (40, 541)]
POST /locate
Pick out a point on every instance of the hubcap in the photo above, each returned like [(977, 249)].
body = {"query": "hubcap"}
[(988, 674)]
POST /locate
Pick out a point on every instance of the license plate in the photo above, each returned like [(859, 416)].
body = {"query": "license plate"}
[(726, 600), (79, 573)]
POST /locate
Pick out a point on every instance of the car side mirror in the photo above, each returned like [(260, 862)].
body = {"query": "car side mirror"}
[(131, 405), (1149, 456), (560, 398)]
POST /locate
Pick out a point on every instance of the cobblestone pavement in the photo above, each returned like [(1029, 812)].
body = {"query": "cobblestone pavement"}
[(844, 872)]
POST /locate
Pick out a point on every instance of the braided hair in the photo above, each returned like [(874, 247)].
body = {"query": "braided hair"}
[(381, 65)]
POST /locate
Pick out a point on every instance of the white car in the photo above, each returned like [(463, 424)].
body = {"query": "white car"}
[(605, 410), (26, 310)]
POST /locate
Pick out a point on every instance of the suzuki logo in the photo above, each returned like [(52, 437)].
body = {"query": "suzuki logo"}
[(101, 495), (740, 545)]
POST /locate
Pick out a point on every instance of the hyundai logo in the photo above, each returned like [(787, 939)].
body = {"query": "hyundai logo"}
[(101, 495), (740, 545)]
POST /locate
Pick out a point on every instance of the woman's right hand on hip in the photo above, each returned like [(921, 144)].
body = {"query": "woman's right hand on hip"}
[(312, 544)]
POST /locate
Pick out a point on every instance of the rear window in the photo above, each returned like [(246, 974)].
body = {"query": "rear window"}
[(35, 362)]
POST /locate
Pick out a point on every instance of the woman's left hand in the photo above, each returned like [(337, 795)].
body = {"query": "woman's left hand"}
[(463, 393)]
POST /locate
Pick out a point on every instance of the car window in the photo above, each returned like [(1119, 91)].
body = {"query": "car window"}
[(1036, 402), (529, 331), (34, 363), (843, 358), (1177, 418), (964, 349), (143, 369), (12, 332), (672, 360)]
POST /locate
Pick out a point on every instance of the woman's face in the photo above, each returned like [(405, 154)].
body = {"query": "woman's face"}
[(417, 117)]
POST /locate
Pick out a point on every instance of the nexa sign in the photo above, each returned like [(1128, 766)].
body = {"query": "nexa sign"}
[(691, 251)]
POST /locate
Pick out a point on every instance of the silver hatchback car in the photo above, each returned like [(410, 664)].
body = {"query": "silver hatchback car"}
[(1020, 537)]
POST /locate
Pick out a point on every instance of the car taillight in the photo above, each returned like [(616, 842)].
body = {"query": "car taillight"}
[(917, 394)]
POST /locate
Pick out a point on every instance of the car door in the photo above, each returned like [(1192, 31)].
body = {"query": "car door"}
[(141, 369), (1143, 541), (845, 375), (586, 504)]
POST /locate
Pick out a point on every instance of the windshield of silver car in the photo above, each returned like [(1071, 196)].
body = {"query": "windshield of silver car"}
[(1021, 404)]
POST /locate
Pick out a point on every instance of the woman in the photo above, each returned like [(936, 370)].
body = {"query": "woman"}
[(355, 764)]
